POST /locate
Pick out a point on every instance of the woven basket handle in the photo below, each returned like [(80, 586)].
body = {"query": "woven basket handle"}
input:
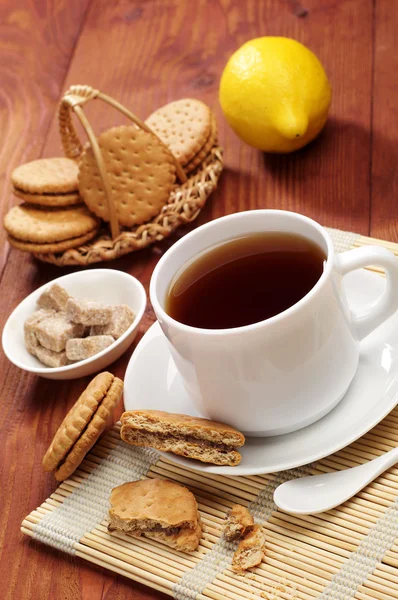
[(72, 102)]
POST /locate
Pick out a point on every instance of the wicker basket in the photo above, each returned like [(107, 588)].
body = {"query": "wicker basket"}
[(184, 204)]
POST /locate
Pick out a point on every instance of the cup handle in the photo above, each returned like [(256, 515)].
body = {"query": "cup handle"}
[(374, 314)]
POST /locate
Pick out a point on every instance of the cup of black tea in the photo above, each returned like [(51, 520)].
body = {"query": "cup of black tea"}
[(256, 324)]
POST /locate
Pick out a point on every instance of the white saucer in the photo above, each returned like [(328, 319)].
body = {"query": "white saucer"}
[(152, 382)]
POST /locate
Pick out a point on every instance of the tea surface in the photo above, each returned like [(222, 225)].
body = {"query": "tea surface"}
[(245, 280)]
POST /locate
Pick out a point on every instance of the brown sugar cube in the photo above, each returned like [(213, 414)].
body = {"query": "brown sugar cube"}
[(54, 331), (50, 358), (31, 340), (239, 523), (250, 551), (81, 348), (88, 312), (122, 318), (54, 297)]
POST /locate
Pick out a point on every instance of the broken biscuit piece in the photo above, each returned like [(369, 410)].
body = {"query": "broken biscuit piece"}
[(158, 509), (88, 312), (82, 348), (193, 437), (54, 297), (54, 331), (239, 523), (122, 318), (250, 551)]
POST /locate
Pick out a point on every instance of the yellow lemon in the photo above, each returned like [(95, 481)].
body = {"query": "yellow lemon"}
[(275, 94)]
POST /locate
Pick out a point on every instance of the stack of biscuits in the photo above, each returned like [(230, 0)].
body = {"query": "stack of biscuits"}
[(140, 165), (64, 201), (189, 128), (52, 217)]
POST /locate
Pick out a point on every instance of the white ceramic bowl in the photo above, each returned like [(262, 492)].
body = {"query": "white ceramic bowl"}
[(106, 286)]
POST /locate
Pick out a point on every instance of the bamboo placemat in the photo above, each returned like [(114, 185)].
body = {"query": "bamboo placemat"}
[(346, 553)]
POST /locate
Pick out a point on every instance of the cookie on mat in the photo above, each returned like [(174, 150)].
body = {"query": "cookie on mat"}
[(141, 173), (184, 126), (192, 437), (159, 509), (47, 182), (28, 223), (83, 425)]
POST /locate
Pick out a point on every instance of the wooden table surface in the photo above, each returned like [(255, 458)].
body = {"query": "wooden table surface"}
[(147, 53)]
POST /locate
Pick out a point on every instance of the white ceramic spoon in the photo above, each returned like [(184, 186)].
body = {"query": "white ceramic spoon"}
[(318, 493)]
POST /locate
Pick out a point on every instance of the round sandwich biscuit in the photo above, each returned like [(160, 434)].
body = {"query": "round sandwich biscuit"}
[(183, 125), (83, 425), (101, 418), (28, 223), (54, 247), (53, 200), (141, 173), (46, 175)]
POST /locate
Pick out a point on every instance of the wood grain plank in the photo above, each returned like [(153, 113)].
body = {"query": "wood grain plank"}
[(146, 54), (36, 42), (384, 213)]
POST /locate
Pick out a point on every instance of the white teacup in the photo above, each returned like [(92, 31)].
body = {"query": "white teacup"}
[(286, 372)]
